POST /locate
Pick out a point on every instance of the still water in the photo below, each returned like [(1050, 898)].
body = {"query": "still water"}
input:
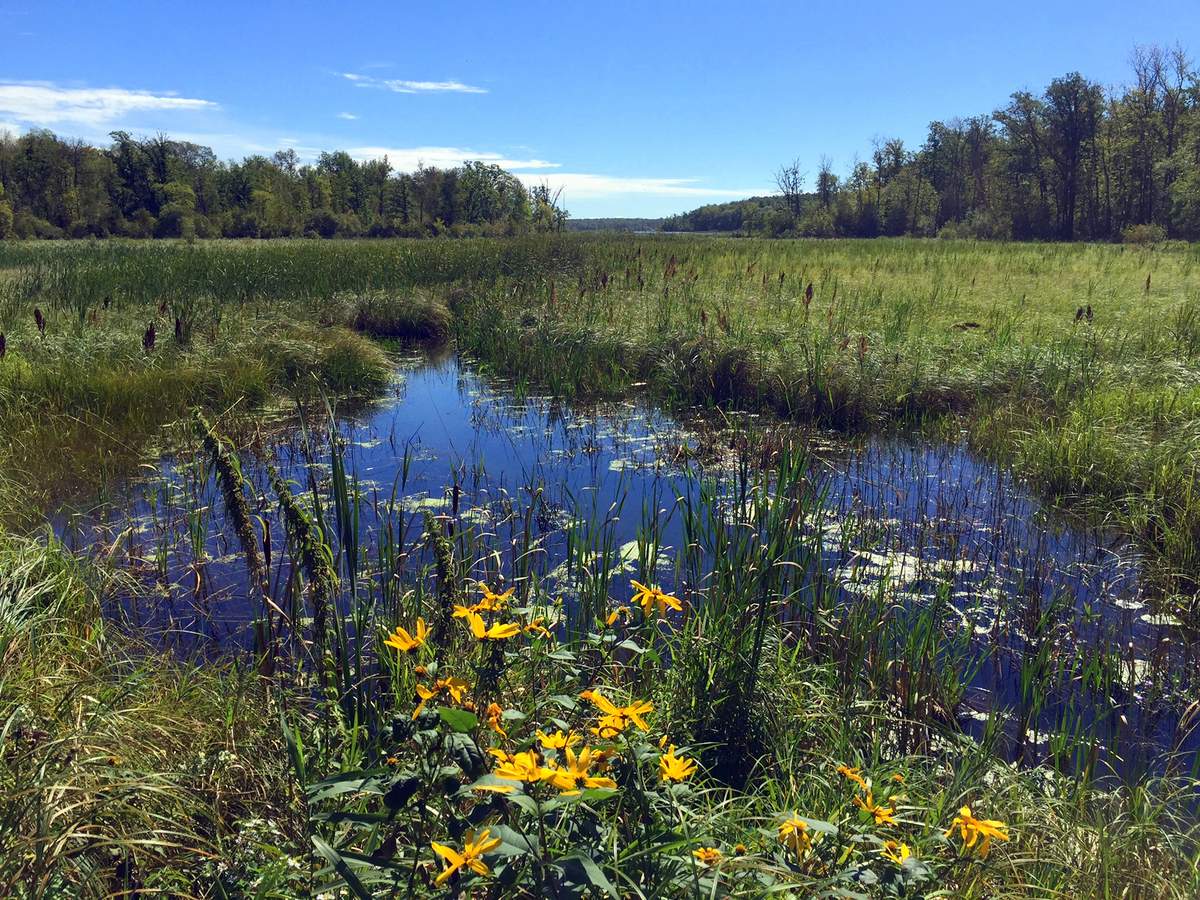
[(917, 522)]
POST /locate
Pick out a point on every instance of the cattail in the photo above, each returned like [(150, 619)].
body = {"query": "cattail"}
[(672, 265), (1079, 314), (40, 319), (781, 276), (107, 301), (703, 323), (808, 293), (162, 307), (604, 281), (764, 281), (862, 347), (3, 345), (148, 338), (1088, 312), (553, 293), (1147, 282), (178, 330)]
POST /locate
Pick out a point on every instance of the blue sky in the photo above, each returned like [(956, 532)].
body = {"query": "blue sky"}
[(632, 108)]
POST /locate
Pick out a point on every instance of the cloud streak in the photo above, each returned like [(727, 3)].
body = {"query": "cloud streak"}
[(408, 159), (586, 186), (41, 103), (404, 86)]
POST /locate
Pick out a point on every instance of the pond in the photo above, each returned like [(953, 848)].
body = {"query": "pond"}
[(546, 483)]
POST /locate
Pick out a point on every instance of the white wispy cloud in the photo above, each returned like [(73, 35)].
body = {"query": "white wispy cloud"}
[(349, 117), (406, 159), (43, 103), (585, 186), (404, 86)]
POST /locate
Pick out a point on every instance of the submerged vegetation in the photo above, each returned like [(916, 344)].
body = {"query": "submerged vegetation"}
[(432, 705)]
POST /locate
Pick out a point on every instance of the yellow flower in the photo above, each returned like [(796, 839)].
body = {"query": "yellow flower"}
[(577, 770), (675, 768), (650, 597), (898, 778), (493, 601), (494, 713), (536, 627), (980, 831), (896, 851), (455, 687), (405, 642), (853, 774), (709, 856), (471, 856), (526, 767), (497, 632), (620, 612), (884, 815), (558, 740), (795, 835), (740, 850), (617, 718)]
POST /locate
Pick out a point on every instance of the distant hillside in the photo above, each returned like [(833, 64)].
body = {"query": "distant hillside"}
[(614, 224)]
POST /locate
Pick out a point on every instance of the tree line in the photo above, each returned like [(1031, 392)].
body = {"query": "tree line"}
[(1075, 162), (52, 187)]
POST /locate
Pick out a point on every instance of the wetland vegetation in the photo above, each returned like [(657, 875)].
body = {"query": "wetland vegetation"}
[(584, 566)]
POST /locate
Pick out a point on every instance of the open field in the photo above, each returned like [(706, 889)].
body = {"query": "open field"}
[(825, 724)]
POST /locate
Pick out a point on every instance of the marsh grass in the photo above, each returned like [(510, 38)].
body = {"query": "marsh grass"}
[(125, 771), (121, 771)]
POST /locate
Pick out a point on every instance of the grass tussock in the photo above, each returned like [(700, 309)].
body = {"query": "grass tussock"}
[(415, 317), (121, 771)]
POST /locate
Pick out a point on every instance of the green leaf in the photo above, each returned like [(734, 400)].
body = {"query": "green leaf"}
[(358, 782), (460, 720), (335, 859), (598, 795), (593, 873), (513, 842)]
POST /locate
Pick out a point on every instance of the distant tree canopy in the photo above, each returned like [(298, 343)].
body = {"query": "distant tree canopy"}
[(756, 214), (1076, 162), (157, 187)]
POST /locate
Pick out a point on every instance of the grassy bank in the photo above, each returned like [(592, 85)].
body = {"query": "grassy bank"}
[(814, 750), (1076, 365), (121, 770)]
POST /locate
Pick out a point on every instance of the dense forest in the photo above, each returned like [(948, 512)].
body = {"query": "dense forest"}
[(614, 224), (1076, 162), (157, 187)]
